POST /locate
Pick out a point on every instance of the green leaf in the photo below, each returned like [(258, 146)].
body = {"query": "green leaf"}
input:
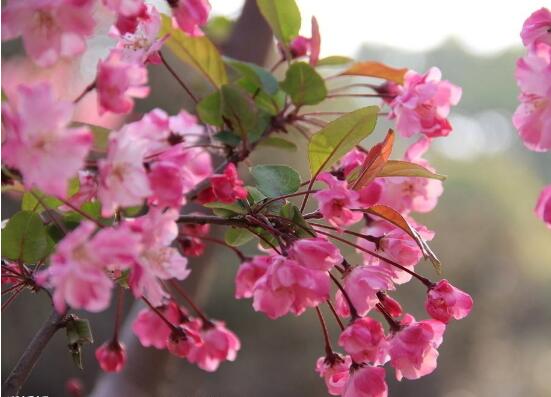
[(233, 209), (279, 143), (304, 84), (298, 224), (405, 168), (237, 236), (276, 180), (25, 238), (255, 195), (199, 52), (283, 16), (209, 109), (340, 136), (335, 60), (258, 76), (228, 138), (29, 202), (78, 333), (238, 109)]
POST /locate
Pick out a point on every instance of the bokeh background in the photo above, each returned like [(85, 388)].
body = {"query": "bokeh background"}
[(487, 235)]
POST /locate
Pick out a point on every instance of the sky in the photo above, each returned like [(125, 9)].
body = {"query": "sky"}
[(483, 26)]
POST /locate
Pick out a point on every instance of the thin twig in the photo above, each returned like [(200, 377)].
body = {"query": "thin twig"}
[(178, 79)]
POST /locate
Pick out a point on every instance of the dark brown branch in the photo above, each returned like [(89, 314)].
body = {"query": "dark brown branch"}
[(15, 380)]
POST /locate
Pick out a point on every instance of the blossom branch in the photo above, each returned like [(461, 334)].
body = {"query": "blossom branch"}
[(15, 380)]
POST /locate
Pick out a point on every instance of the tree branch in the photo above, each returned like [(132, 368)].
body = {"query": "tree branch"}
[(15, 380), (198, 219)]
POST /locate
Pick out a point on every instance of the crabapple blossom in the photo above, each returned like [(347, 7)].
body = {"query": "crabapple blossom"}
[(423, 103), (37, 135), (336, 203), (412, 194), (138, 38), (287, 286), (78, 266), (157, 259), (111, 356), (316, 253), (391, 305), (51, 29), (533, 116), (151, 330), (543, 206), (184, 338), (249, 273), (335, 372), (123, 180), (536, 28), (366, 381), (365, 341), (361, 286), (190, 15), (118, 81), (395, 244), (218, 344), (226, 187), (126, 8), (444, 301), (412, 350)]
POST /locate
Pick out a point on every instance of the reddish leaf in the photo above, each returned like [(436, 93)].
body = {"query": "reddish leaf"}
[(394, 217), (376, 69), (375, 161), (406, 168), (315, 42)]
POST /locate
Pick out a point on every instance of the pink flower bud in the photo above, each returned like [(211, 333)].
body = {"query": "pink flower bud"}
[(74, 387), (111, 356), (364, 340), (444, 301), (543, 207), (299, 47)]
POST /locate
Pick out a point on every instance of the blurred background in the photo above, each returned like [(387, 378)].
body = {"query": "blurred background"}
[(488, 238)]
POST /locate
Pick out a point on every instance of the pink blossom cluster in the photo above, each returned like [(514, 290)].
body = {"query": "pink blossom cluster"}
[(117, 199), (533, 74)]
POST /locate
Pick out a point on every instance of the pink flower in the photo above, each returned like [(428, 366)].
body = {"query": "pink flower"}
[(337, 202), (423, 104), (352, 160), (138, 37), (391, 305), (316, 253), (364, 340), (151, 330), (299, 47), (157, 259), (111, 356), (51, 29), (37, 136), (123, 179), (78, 266), (219, 344), (226, 187), (412, 350), (405, 194), (124, 7), (543, 207), (289, 287), (191, 246), (184, 338), (249, 273), (335, 373), (533, 116), (118, 81), (394, 244), (362, 285), (190, 15), (444, 301), (366, 382), (536, 28)]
